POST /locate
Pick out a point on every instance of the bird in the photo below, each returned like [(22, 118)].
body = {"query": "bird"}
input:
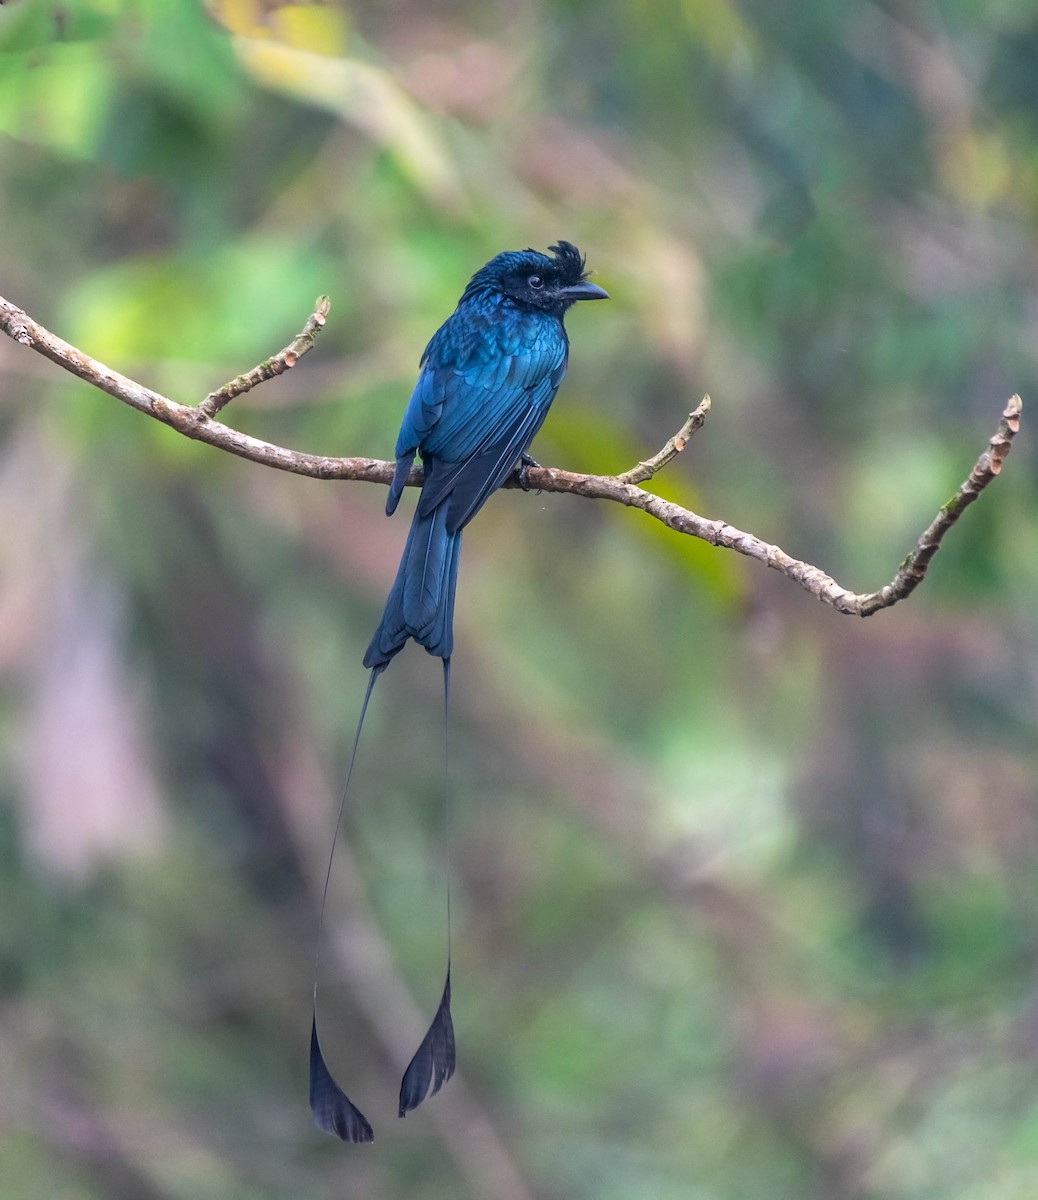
[(486, 381)]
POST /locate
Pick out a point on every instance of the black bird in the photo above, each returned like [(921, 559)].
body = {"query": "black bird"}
[(487, 380)]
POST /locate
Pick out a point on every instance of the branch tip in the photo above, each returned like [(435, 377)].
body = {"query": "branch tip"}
[(644, 471)]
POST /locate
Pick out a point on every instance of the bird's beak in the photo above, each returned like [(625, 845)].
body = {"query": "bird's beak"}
[(584, 291)]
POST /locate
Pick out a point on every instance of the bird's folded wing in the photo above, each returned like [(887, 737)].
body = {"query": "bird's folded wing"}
[(482, 401), (466, 485), (472, 415)]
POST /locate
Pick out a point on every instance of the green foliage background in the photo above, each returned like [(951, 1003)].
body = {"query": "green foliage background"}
[(745, 892)]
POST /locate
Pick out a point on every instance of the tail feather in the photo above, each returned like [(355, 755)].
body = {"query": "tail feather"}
[(426, 568), (421, 601)]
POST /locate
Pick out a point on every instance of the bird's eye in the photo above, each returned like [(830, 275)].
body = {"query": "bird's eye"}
[(535, 281)]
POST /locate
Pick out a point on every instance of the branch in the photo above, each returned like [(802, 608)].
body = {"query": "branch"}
[(644, 471), (270, 367), (812, 579), (198, 422), (194, 422)]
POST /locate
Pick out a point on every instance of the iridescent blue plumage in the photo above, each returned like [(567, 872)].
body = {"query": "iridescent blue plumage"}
[(487, 380)]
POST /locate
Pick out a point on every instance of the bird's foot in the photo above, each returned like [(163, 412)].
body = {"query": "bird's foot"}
[(526, 461)]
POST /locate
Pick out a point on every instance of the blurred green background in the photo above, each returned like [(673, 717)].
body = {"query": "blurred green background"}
[(745, 892)]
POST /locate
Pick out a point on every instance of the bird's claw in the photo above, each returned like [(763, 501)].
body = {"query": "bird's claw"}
[(525, 463)]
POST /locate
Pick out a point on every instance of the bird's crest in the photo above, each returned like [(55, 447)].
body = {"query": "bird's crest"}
[(564, 267), (570, 262)]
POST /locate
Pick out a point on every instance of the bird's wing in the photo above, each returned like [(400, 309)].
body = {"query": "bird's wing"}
[(482, 400), (423, 409), (478, 402), (422, 413), (466, 485), (490, 414)]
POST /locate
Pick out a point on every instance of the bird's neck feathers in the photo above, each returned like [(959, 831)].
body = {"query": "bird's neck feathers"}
[(488, 325)]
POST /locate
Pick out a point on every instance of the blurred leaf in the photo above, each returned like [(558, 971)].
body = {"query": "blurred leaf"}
[(35, 25), (60, 102), (368, 97)]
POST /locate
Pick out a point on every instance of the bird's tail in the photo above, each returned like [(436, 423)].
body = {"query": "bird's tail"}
[(421, 602)]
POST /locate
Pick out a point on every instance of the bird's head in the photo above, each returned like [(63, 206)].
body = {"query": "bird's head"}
[(547, 283)]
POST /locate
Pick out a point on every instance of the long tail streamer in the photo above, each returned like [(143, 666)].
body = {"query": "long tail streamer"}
[(332, 1109), (434, 1061)]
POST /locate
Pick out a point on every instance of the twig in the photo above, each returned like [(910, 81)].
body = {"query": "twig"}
[(277, 365), (197, 422), (812, 579), (644, 471), (187, 419), (911, 572)]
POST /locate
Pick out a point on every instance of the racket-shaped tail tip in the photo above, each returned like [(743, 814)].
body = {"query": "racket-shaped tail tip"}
[(435, 1060), (332, 1109)]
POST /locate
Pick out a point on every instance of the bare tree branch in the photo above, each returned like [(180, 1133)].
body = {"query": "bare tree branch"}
[(198, 422), (644, 471), (277, 365), (812, 579)]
